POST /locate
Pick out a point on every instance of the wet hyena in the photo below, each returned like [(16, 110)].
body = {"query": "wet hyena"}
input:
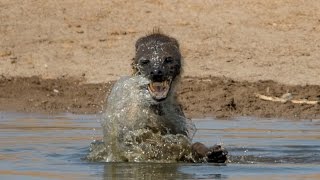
[(146, 103)]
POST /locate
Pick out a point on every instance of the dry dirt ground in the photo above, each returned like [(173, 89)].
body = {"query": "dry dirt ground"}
[(64, 55)]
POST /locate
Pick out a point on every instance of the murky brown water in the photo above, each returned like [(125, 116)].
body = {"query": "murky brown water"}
[(37, 146)]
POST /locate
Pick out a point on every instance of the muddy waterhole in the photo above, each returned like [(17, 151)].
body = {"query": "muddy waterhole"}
[(39, 146)]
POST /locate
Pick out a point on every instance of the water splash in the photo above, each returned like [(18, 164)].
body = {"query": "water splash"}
[(138, 129)]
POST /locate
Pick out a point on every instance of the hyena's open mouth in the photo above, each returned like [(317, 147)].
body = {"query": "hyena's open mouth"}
[(159, 90)]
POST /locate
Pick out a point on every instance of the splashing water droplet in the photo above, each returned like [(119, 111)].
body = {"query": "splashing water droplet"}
[(134, 132)]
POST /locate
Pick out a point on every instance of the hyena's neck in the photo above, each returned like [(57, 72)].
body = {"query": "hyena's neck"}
[(157, 109)]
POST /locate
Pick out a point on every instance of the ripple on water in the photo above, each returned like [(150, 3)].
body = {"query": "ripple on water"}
[(275, 149)]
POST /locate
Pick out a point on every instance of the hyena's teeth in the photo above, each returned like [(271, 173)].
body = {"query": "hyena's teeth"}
[(159, 90)]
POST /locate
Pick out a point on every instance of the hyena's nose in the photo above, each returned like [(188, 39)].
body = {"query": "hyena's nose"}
[(156, 75)]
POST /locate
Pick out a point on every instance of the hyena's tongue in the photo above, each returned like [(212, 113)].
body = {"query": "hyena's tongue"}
[(159, 90)]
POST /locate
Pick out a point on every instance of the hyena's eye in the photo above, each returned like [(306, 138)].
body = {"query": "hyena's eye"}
[(144, 61), (168, 59)]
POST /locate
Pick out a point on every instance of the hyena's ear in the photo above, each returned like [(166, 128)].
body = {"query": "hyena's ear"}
[(134, 67)]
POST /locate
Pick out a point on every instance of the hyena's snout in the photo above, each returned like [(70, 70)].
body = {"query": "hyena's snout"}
[(157, 74)]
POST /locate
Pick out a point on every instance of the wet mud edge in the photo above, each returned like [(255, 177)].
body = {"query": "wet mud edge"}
[(199, 97)]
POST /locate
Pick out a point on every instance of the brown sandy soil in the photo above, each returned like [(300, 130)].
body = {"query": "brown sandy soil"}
[(76, 47), (219, 97)]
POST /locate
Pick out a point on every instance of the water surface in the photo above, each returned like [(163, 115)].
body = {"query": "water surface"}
[(38, 146)]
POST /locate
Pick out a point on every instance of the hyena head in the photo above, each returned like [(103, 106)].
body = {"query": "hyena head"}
[(158, 58)]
